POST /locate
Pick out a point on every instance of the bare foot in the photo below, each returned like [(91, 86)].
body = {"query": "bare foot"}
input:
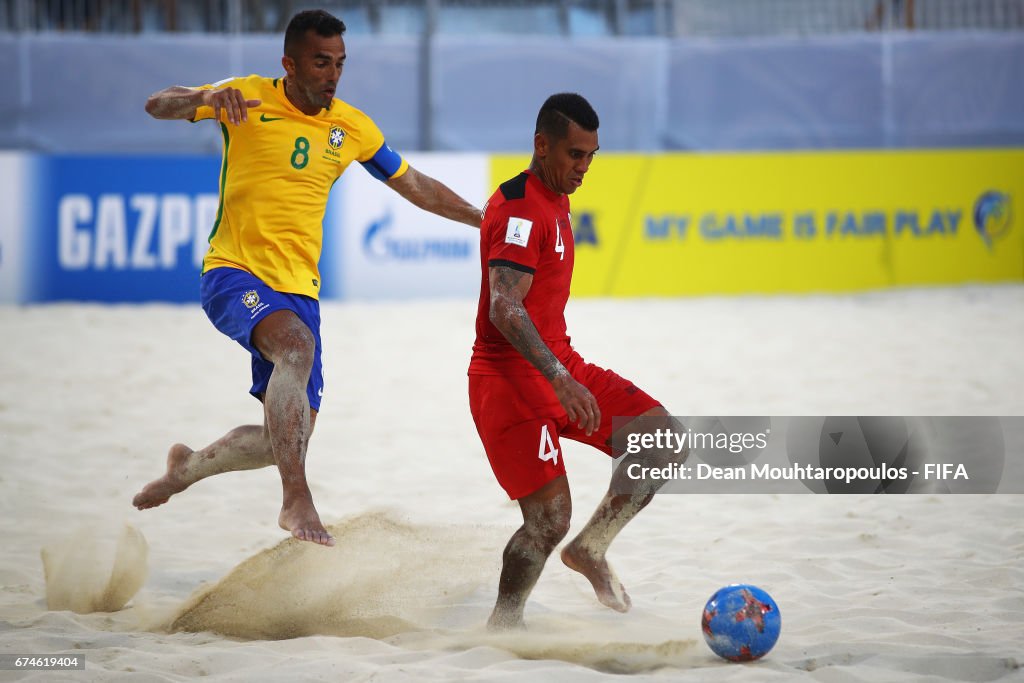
[(159, 491), (301, 518), (607, 587)]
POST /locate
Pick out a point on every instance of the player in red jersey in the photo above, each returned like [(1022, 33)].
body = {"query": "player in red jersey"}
[(527, 386)]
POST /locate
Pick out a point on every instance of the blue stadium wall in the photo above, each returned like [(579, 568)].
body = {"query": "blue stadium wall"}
[(100, 202)]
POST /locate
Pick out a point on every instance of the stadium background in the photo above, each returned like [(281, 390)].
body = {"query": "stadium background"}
[(747, 146)]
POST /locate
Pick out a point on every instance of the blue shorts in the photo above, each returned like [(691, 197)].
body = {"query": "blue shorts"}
[(235, 301)]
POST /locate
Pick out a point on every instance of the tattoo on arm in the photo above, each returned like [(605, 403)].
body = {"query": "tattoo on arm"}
[(508, 289)]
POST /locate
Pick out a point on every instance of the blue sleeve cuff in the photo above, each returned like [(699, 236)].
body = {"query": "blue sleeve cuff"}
[(384, 164)]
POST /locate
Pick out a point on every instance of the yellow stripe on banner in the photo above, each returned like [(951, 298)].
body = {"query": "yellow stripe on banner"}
[(672, 224)]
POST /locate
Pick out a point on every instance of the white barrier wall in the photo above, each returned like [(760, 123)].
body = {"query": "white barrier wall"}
[(389, 249), (14, 204)]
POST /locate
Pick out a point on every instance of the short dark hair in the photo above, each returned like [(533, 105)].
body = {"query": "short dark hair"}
[(324, 23), (558, 110)]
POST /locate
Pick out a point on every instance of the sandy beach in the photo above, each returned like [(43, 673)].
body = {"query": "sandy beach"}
[(871, 588)]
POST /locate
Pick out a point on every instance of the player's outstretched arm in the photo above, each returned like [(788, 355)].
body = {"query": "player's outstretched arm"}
[(508, 313), (179, 102), (436, 197)]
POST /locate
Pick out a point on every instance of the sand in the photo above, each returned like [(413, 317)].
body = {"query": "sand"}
[(894, 588)]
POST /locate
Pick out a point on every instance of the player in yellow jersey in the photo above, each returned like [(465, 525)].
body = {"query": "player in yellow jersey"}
[(286, 140)]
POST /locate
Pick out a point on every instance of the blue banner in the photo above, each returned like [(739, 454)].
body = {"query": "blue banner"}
[(120, 228)]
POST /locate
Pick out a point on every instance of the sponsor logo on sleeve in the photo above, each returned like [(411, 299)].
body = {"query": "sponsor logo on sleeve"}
[(518, 231)]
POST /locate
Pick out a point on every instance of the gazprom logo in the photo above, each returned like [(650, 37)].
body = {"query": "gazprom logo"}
[(992, 215), (380, 244)]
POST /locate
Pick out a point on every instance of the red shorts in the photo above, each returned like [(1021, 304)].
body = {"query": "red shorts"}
[(520, 420)]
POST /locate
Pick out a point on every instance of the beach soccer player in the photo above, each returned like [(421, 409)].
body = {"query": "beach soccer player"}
[(528, 387), (286, 140)]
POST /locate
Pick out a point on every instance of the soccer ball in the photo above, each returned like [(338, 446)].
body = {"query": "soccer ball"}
[(741, 622)]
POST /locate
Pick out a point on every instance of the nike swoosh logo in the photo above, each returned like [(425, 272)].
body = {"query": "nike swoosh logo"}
[(264, 118)]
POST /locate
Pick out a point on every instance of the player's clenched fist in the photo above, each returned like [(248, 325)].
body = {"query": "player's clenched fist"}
[(231, 101)]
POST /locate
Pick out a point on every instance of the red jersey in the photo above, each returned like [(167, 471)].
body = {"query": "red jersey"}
[(526, 227)]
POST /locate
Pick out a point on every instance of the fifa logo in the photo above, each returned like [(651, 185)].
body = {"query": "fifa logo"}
[(992, 216)]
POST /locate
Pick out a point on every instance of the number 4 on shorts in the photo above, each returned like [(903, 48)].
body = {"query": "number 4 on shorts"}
[(547, 450)]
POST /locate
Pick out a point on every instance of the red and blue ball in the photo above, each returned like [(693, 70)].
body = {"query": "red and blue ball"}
[(741, 622)]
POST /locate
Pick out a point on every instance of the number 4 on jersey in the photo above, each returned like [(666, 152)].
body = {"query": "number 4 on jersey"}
[(559, 244), (547, 450)]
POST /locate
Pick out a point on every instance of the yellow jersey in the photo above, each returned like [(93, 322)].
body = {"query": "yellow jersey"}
[(277, 171)]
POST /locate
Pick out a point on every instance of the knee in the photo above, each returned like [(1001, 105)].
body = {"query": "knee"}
[(298, 346), (654, 419), (547, 533), (291, 344)]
